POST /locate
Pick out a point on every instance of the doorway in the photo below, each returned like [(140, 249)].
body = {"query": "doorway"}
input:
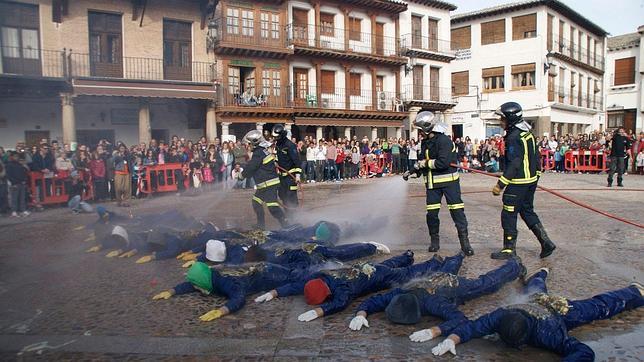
[(33, 138), (301, 77), (457, 131)]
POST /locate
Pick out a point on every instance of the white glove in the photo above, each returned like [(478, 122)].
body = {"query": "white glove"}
[(264, 298), (382, 248), (307, 316), (445, 346), (297, 178), (423, 335), (358, 322)]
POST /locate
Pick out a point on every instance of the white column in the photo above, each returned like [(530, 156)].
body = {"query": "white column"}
[(318, 133), (145, 129), (374, 133), (211, 122), (69, 119), (347, 133), (398, 132), (413, 132), (224, 128), (260, 126)]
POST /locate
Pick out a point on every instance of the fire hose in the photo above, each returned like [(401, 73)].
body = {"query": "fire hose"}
[(553, 192)]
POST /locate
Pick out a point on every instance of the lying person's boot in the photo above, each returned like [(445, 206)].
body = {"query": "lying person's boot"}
[(547, 246)]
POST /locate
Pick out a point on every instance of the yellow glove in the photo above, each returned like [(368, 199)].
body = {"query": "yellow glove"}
[(129, 254), (188, 264), (180, 256), (113, 253), (496, 190), (90, 238), (93, 249), (145, 259), (212, 315), (166, 294), (190, 256)]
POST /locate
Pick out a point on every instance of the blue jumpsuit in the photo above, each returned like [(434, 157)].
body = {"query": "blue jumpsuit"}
[(549, 328), (448, 292), (236, 283), (348, 284)]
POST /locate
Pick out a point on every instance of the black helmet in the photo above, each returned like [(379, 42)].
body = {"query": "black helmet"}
[(513, 328), (279, 131), (511, 111)]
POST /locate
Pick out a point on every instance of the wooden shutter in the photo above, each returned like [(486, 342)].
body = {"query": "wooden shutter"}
[(327, 24), (524, 26), (354, 84), (460, 83), (523, 68), (300, 17), (355, 28), (549, 38), (493, 72), (493, 32), (433, 34), (416, 31), (624, 71), (19, 15), (629, 119), (462, 38), (327, 81)]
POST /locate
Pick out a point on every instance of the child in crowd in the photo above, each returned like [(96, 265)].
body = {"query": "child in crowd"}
[(476, 164), (492, 165), (640, 162)]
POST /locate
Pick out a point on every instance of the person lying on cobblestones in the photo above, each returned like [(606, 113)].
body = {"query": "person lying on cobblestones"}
[(308, 254), (334, 290), (437, 294), (544, 320), (234, 283)]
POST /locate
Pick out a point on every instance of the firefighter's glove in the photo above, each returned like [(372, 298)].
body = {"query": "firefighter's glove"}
[(166, 294), (212, 315), (423, 335), (445, 346), (298, 178), (190, 256), (145, 259), (180, 256), (358, 322), (265, 297), (496, 190), (308, 316)]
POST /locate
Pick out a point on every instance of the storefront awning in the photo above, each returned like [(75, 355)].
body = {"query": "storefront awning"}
[(97, 87)]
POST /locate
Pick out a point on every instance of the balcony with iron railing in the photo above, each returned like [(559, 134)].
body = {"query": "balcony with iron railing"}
[(139, 68), (253, 99), (418, 94), (586, 100), (260, 38), (343, 43), (577, 54), (314, 97), (427, 47), (31, 62)]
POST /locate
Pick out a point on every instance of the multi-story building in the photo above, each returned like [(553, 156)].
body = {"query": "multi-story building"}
[(80, 71), (624, 81), (539, 53)]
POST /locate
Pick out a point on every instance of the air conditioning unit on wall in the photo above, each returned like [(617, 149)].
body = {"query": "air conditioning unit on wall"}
[(384, 101)]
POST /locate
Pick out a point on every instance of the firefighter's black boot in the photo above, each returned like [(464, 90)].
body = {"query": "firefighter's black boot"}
[(547, 246), (465, 243), (435, 243), (509, 244)]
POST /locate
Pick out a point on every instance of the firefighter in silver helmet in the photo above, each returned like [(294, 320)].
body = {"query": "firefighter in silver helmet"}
[(261, 167), (438, 153)]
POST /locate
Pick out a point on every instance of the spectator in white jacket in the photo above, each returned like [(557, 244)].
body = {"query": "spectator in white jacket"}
[(311, 152)]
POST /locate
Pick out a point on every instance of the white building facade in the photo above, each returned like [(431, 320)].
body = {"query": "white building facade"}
[(623, 81), (541, 54)]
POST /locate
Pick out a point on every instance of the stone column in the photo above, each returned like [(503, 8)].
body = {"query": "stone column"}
[(374, 93), (413, 132), (225, 131), (145, 128), (69, 118), (211, 122), (289, 129), (398, 132), (260, 126), (347, 132), (374, 133), (318, 133)]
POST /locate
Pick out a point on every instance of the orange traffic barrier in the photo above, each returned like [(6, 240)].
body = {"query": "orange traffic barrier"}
[(585, 161), (547, 160), (165, 177), (52, 188)]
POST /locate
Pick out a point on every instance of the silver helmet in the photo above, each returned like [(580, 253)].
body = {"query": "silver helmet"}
[(429, 122), (254, 138)]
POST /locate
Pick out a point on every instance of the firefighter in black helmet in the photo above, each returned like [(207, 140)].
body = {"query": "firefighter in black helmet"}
[(262, 168), (519, 179), (289, 162), (438, 152)]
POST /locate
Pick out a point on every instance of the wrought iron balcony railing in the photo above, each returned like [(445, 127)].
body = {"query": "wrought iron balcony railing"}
[(33, 62)]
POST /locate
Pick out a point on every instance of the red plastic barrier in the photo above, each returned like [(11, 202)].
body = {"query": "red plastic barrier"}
[(547, 160), (165, 177), (52, 187), (585, 161)]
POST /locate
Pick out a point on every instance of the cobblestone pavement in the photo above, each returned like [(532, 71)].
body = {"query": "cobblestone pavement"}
[(57, 302)]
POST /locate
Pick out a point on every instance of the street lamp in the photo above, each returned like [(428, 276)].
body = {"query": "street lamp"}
[(548, 64)]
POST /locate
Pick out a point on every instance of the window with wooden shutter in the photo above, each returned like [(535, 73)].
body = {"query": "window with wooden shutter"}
[(549, 35), (624, 71), (573, 81), (493, 32), (524, 27), (355, 28), (493, 79), (354, 84), (327, 24), (460, 83), (462, 38), (105, 44), (579, 93), (562, 44), (177, 50), (327, 81), (523, 76), (20, 43)]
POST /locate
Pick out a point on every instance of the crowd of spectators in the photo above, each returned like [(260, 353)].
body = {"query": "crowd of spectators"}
[(118, 172)]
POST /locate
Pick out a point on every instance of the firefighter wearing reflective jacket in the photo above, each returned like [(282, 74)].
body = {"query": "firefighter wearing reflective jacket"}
[(519, 179), (261, 167), (438, 152), (289, 169)]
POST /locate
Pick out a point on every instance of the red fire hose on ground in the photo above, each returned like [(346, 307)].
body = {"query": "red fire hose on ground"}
[(578, 203)]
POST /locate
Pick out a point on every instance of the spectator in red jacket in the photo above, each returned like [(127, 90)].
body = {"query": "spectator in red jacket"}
[(97, 170)]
